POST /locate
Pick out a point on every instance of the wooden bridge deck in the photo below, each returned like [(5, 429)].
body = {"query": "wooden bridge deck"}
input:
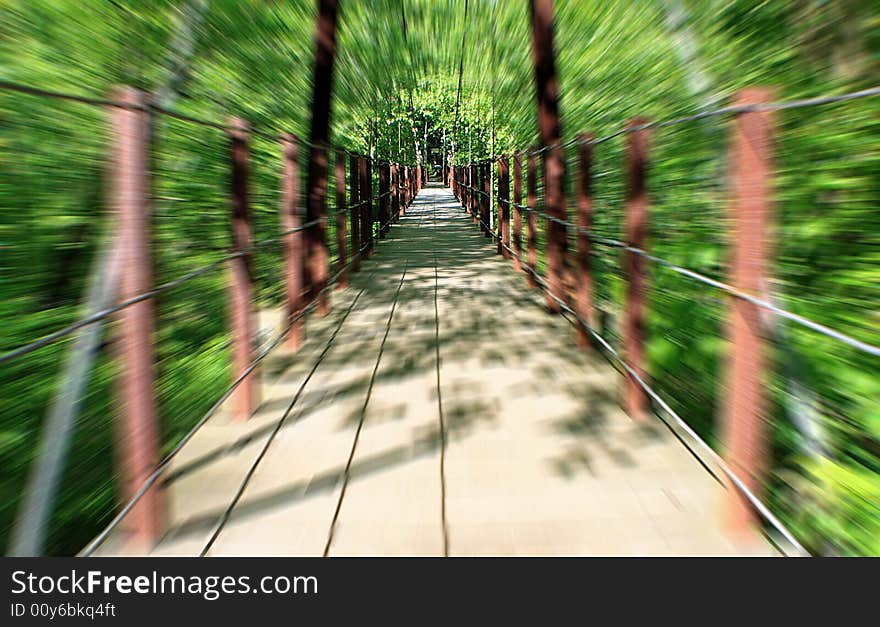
[(449, 414)]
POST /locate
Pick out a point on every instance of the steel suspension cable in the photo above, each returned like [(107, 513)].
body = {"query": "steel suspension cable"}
[(720, 285), (163, 465), (735, 480), (460, 73), (170, 285), (783, 105)]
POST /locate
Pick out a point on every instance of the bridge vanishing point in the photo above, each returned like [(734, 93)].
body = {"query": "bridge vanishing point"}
[(439, 410)]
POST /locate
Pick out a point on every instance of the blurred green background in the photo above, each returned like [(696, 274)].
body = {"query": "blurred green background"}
[(616, 59)]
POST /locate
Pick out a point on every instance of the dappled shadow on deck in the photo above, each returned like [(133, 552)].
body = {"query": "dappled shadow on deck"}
[(536, 456)]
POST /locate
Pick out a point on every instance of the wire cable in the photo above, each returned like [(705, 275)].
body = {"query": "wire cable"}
[(706, 280), (738, 484), (170, 285), (162, 466)]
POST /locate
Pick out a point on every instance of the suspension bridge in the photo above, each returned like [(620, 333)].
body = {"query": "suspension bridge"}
[(439, 411), (433, 390)]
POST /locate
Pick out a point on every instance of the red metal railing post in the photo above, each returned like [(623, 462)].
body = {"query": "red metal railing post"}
[(293, 242), (495, 208), (399, 192), (247, 396), (532, 218), (517, 212), (547, 90), (478, 196), (635, 400), (341, 218), (462, 187), (319, 253), (485, 207), (138, 432), (466, 192), (384, 201), (367, 225), (354, 211), (395, 191), (364, 208), (405, 191), (472, 193), (319, 137), (584, 285), (460, 182), (745, 428), (465, 181), (504, 206), (557, 237)]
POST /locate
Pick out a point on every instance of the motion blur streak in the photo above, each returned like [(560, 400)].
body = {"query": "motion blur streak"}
[(421, 86)]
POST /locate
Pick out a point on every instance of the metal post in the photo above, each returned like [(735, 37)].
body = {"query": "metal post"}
[(475, 197), (584, 285), (477, 185), (247, 396), (354, 211), (364, 206), (481, 186), (465, 191), (398, 190), (341, 219), (517, 213), (405, 191), (468, 191), (635, 400), (471, 192), (550, 131), (504, 206), (479, 199), (138, 446), (367, 215), (460, 186), (745, 428), (384, 175), (395, 191), (532, 218), (485, 208), (316, 208), (374, 204), (293, 242)]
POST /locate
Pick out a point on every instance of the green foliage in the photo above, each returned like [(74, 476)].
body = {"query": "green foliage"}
[(394, 93)]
